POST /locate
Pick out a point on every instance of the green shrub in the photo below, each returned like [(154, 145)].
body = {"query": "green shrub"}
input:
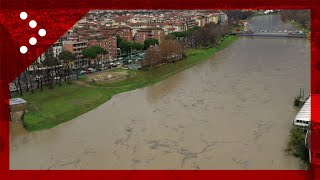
[(296, 145)]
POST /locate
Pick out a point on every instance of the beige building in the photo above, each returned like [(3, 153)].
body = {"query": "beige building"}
[(213, 18), (75, 47)]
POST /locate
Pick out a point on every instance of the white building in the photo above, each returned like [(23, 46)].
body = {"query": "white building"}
[(57, 49), (223, 18), (213, 18)]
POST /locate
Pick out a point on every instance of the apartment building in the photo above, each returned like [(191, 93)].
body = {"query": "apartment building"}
[(213, 18), (179, 26), (108, 42), (75, 47), (57, 49), (190, 23), (125, 33), (151, 32), (200, 20), (223, 17)]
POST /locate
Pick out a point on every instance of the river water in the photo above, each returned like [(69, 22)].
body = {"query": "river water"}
[(233, 111)]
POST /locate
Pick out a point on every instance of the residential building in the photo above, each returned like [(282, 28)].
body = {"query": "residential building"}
[(125, 33), (151, 32), (137, 26), (213, 18), (180, 26), (223, 18), (108, 42), (190, 23), (76, 47), (200, 20), (57, 49)]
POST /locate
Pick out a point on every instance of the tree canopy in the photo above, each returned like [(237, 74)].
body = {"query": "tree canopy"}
[(50, 61), (66, 56), (169, 37), (119, 40), (93, 51), (300, 16), (153, 57), (150, 41), (185, 33), (126, 46), (238, 14)]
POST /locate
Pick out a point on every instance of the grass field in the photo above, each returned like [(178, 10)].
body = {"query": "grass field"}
[(51, 107)]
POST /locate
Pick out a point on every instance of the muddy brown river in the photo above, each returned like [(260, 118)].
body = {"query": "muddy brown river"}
[(233, 111)]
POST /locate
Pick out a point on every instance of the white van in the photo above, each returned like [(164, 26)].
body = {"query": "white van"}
[(303, 118)]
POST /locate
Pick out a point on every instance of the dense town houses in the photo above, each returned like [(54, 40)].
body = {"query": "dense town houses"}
[(150, 32), (124, 32), (101, 28)]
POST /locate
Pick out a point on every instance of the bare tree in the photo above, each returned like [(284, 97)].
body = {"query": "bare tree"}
[(153, 56), (171, 50), (300, 16), (19, 83)]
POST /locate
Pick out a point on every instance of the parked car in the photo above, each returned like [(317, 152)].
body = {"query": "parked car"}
[(82, 72), (113, 64), (107, 66), (92, 70)]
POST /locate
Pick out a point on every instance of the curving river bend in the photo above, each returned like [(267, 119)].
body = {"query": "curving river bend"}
[(233, 111)]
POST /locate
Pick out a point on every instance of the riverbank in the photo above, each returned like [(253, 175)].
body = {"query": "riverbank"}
[(296, 146), (51, 107), (299, 26)]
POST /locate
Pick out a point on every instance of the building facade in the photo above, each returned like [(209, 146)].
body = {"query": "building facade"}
[(125, 33), (152, 32), (75, 47), (108, 43), (57, 49)]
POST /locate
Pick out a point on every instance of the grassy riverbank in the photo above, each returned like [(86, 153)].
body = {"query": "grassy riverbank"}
[(296, 146), (299, 26), (51, 107)]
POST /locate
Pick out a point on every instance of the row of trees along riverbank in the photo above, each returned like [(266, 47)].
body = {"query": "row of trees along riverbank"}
[(173, 46), (53, 70), (65, 98), (296, 143), (302, 17)]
